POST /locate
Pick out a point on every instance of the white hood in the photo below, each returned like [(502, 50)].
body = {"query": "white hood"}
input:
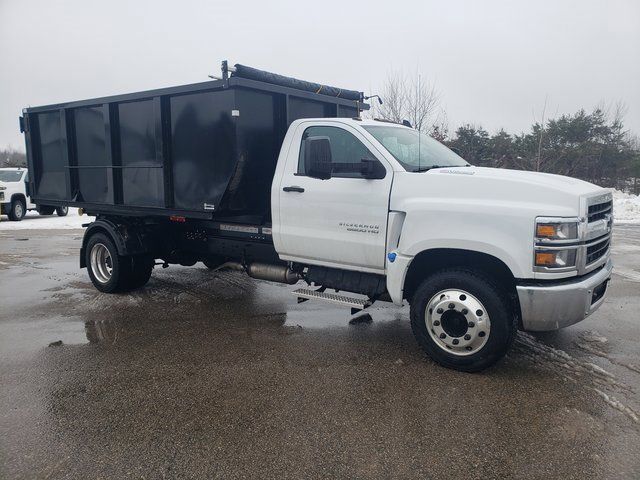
[(544, 193)]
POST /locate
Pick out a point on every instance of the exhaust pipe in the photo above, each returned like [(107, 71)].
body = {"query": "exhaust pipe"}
[(264, 271)]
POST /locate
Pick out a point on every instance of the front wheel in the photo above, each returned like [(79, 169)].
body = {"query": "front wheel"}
[(463, 319), (62, 211), (17, 210)]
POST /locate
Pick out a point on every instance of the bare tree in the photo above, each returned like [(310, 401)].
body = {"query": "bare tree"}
[(541, 133), (410, 98)]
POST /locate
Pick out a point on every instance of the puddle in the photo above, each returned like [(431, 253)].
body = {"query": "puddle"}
[(31, 335), (613, 391)]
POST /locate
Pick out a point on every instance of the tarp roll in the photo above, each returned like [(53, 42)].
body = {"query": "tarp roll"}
[(275, 79)]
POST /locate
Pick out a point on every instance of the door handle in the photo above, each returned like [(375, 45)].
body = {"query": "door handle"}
[(293, 189)]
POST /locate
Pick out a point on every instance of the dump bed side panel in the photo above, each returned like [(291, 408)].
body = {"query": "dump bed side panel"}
[(202, 148), (200, 151), (50, 178)]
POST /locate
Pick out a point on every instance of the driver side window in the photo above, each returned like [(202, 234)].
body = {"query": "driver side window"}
[(347, 152)]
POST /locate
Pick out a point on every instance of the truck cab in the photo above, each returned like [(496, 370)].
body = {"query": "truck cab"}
[(538, 244), (15, 200)]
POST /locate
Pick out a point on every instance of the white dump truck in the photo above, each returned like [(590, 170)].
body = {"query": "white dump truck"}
[(283, 179)]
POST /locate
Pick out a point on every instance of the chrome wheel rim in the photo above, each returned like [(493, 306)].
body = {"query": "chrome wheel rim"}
[(101, 263), (457, 322), (18, 210)]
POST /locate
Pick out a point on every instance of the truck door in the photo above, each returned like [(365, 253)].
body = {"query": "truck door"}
[(340, 221)]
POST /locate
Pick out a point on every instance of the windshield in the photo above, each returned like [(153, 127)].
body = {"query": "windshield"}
[(416, 152), (10, 175)]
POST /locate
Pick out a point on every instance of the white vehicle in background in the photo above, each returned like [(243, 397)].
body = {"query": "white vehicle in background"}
[(14, 198)]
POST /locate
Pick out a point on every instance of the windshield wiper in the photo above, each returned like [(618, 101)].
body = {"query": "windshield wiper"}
[(426, 169)]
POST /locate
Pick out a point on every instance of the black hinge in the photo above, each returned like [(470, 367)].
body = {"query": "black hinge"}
[(22, 124)]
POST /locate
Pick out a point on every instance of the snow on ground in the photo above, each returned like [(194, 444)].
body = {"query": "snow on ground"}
[(626, 207), (34, 221)]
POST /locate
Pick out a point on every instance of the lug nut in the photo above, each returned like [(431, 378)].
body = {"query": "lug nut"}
[(463, 297), (436, 323), (471, 324), (451, 306), (456, 341), (468, 348), (467, 337), (465, 311), (481, 334), (439, 310), (443, 335), (479, 313)]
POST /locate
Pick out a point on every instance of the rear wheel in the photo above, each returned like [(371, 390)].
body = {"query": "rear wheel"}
[(46, 210), (109, 272), (17, 210), (62, 211), (462, 319), (141, 268)]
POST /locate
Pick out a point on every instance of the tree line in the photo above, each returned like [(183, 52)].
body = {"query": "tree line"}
[(10, 157), (590, 145)]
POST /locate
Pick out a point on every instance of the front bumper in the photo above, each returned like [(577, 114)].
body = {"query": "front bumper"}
[(558, 305)]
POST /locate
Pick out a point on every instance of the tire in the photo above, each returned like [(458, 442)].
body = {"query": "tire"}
[(17, 210), (109, 272), (473, 313), (141, 268), (62, 211), (46, 210)]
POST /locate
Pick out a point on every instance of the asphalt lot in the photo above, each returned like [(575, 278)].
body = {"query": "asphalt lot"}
[(203, 375)]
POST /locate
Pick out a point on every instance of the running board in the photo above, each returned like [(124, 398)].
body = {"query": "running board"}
[(356, 304)]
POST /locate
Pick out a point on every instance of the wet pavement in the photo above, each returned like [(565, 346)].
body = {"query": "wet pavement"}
[(203, 375)]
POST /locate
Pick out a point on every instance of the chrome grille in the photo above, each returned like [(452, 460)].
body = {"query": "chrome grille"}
[(596, 251), (599, 211)]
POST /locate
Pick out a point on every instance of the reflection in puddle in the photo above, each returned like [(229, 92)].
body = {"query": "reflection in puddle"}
[(102, 331)]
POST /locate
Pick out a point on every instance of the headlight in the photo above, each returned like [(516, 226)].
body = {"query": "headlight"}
[(556, 244), (565, 258), (547, 229)]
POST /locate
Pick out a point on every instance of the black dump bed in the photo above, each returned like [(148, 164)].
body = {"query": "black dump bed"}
[(204, 151)]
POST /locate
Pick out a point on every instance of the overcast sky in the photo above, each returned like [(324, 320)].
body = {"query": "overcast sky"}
[(494, 62)]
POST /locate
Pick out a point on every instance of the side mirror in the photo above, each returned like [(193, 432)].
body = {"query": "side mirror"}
[(372, 169), (317, 157)]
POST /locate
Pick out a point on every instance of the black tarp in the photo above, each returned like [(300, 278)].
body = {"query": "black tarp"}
[(275, 79)]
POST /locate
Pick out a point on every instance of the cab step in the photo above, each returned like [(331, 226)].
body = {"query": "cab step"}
[(356, 304)]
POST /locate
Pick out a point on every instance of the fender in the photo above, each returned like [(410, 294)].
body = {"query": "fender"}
[(473, 246), (402, 263), (453, 236), (127, 239), (19, 196)]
